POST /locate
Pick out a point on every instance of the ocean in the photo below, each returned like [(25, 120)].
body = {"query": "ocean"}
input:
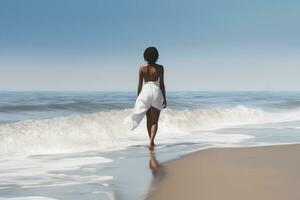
[(78, 145)]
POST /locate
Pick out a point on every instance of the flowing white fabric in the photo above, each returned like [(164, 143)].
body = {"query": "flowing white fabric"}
[(150, 95)]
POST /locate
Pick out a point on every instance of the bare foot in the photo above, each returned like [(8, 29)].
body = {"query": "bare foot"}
[(151, 146)]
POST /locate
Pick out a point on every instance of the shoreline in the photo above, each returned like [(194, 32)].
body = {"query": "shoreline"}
[(259, 172)]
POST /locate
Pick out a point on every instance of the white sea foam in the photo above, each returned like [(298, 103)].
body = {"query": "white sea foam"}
[(111, 130), (45, 171), (19, 165)]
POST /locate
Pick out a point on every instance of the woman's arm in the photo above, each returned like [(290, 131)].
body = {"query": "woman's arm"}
[(140, 81), (162, 86)]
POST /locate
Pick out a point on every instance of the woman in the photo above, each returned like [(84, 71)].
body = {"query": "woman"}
[(151, 96)]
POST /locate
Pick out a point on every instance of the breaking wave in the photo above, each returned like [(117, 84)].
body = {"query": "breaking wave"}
[(111, 129)]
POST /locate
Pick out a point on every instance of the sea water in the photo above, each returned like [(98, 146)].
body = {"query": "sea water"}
[(78, 145)]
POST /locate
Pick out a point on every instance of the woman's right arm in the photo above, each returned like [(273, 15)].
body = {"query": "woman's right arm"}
[(162, 86), (140, 81)]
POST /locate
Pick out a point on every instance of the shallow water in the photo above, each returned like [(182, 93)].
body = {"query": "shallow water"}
[(77, 145)]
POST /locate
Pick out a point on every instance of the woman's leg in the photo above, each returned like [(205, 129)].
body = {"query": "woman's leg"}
[(148, 115), (154, 125)]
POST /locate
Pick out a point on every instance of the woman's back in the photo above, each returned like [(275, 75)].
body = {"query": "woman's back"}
[(151, 72)]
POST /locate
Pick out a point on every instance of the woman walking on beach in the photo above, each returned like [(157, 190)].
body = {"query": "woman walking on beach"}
[(151, 95)]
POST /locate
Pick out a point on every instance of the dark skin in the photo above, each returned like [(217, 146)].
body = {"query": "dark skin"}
[(152, 72)]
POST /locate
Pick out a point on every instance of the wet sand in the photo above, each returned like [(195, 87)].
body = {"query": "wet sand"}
[(253, 173)]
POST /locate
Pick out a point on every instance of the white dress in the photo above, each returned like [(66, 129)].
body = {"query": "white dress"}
[(150, 95)]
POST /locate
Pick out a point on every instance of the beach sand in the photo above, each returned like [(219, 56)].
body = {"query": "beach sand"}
[(253, 173)]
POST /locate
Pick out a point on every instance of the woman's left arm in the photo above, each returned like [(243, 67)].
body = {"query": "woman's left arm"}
[(140, 81)]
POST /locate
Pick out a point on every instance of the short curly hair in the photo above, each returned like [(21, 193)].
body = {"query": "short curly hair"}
[(151, 55)]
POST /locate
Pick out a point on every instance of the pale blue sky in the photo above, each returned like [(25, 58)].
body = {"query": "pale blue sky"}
[(98, 44)]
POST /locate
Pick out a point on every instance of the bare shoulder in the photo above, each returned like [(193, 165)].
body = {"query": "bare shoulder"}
[(142, 68), (161, 67)]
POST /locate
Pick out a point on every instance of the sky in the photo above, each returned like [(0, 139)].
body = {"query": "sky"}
[(98, 45)]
